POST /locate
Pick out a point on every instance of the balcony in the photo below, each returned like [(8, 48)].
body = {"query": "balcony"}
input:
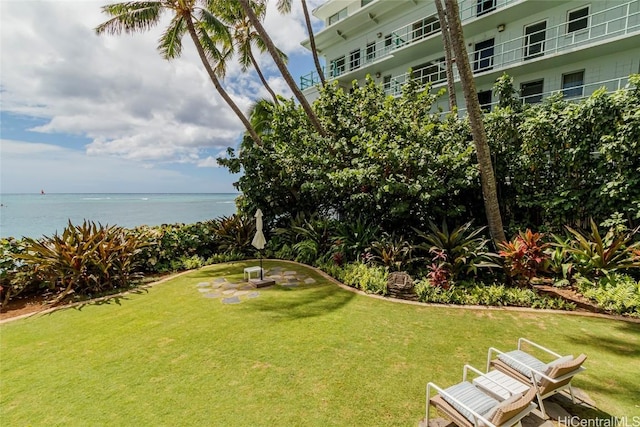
[(618, 21), (405, 36), (607, 25)]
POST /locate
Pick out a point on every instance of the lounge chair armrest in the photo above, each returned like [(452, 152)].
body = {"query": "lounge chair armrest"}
[(538, 346), (477, 416)]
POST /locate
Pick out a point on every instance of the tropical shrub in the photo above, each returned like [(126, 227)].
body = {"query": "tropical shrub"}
[(455, 255), (234, 233), (393, 253), (306, 239), (16, 276), (524, 256), (492, 295), (224, 257), (166, 244), (85, 259), (352, 238), (371, 279), (595, 255), (616, 293)]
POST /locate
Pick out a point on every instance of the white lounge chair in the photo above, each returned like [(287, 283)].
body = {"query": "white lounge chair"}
[(469, 405), (546, 378)]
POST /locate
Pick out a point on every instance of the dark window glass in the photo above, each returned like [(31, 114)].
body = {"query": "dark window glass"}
[(485, 6), (337, 67), (534, 40), (531, 92), (483, 56), (578, 20), (425, 27), (484, 98), (371, 51), (573, 84), (354, 59)]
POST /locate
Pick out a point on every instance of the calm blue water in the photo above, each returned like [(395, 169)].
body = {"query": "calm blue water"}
[(34, 215)]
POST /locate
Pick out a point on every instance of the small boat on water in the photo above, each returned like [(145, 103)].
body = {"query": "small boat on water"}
[(42, 192)]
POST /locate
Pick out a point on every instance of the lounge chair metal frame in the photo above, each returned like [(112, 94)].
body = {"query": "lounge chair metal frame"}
[(536, 375), (438, 402)]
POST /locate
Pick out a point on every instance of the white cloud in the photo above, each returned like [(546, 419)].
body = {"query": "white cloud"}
[(28, 167), (117, 90)]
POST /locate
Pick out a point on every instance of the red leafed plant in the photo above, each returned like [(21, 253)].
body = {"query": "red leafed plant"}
[(524, 256)]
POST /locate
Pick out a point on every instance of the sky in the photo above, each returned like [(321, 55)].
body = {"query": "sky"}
[(82, 113)]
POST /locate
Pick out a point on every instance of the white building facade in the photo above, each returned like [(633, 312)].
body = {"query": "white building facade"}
[(547, 46)]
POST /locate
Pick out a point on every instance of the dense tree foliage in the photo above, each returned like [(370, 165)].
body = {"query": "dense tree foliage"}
[(393, 162)]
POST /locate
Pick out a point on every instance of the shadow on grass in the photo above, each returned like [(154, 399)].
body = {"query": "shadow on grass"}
[(303, 302), (611, 344)]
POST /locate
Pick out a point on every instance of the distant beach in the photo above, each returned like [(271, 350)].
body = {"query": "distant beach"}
[(35, 215)]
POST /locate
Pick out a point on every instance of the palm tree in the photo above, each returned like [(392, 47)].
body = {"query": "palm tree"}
[(246, 37), (284, 6), (273, 51), (192, 16), (448, 57), (487, 179)]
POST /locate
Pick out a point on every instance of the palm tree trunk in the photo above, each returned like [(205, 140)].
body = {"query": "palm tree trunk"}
[(282, 67), (448, 57), (214, 79), (312, 41), (262, 78), (487, 178)]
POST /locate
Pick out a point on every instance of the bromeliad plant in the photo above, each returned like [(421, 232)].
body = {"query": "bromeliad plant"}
[(596, 256), (84, 259), (394, 253), (524, 256), (455, 255)]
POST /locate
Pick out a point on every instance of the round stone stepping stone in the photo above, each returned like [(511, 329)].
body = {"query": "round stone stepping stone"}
[(204, 290), (309, 281), (241, 293), (229, 292), (212, 295), (219, 280), (290, 284), (203, 285), (246, 287), (216, 285), (232, 300), (230, 286), (253, 295)]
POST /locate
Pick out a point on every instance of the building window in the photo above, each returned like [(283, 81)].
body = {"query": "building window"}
[(577, 19), (386, 84), (534, 36), (431, 72), (354, 59), (484, 98), (337, 66), (485, 6), (388, 42), (371, 51), (338, 16), (573, 84), (483, 55), (425, 27), (363, 3), (531, 92)]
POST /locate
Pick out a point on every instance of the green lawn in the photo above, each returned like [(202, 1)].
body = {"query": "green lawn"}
[(315, 355)]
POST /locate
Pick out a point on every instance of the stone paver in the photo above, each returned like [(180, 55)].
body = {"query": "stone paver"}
[(234, 293)]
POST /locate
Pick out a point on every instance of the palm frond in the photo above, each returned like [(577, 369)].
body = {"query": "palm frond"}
[(284, 6), (170, 43), (130, 17), (216, 28)]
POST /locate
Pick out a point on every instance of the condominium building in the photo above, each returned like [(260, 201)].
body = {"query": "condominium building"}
[(547, 46)]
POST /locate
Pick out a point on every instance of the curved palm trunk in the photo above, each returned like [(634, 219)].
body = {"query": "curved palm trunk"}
[(487, 179), (312, 41), (214, 79), (448, 57), (262, 78), (282, 67)]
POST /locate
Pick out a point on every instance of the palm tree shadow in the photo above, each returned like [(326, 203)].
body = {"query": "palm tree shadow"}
[(307, 302)]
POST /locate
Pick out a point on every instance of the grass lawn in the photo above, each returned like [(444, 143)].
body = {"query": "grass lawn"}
[(315, 355)]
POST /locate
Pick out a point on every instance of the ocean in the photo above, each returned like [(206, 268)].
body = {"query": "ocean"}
[(35, 215)]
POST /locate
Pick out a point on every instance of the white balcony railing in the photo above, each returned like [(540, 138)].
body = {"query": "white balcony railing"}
[(614, 22), (619, 20)]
